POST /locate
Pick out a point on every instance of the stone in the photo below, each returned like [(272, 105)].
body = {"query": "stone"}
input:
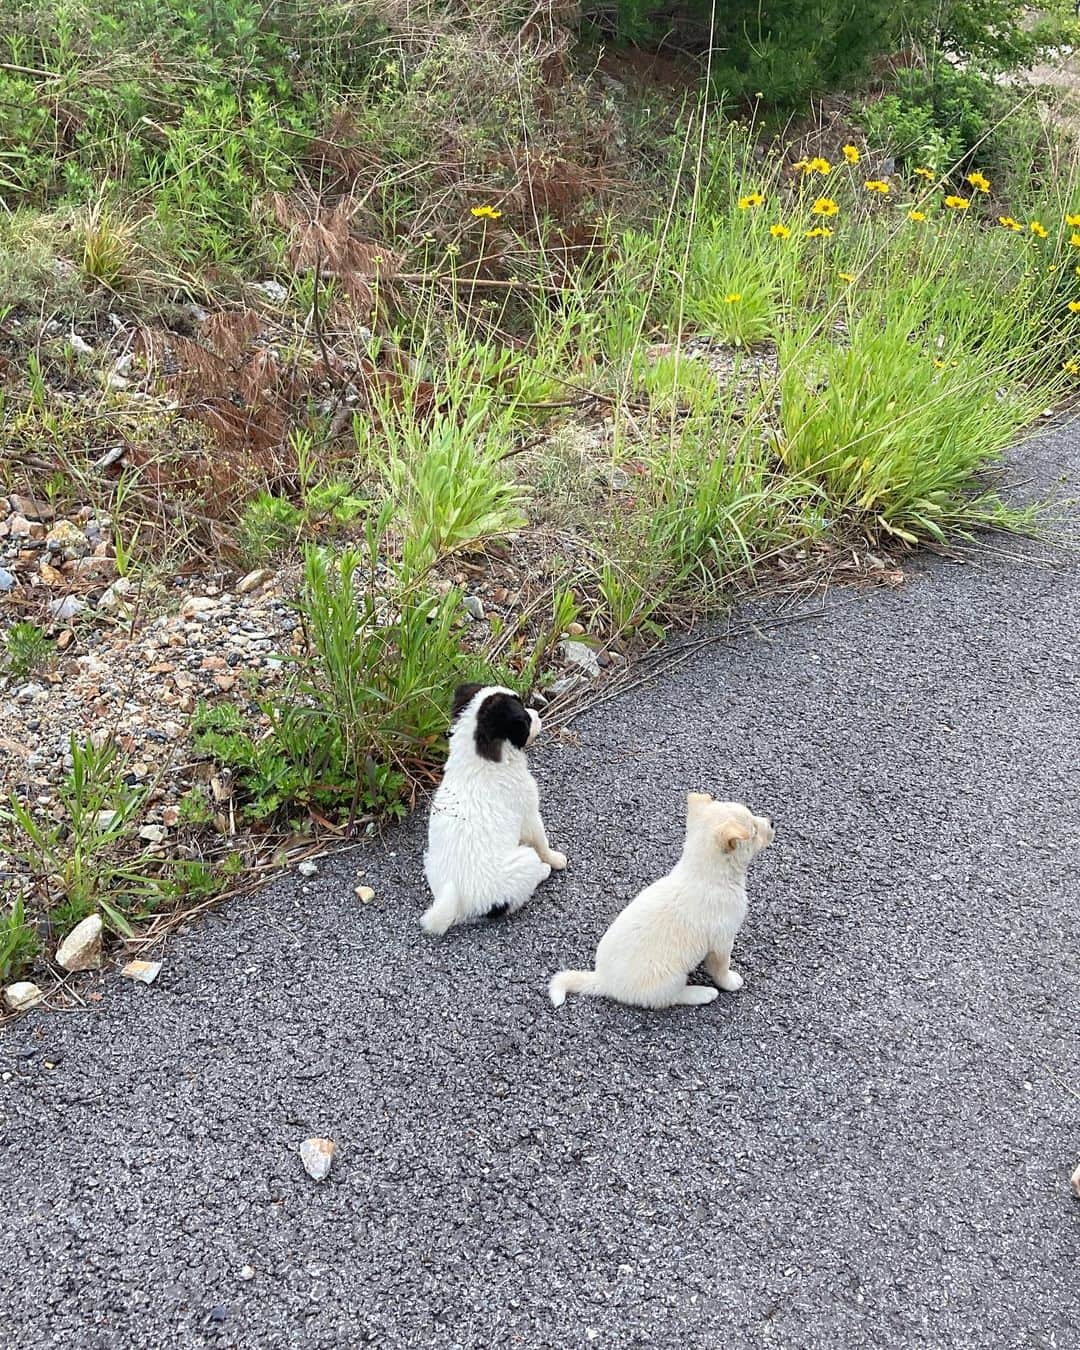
[(112, 601), (30, 507), (81, 949), (19, 527), (51, 576), (66, 538), (317, 1155), (22, 995), (79, 345), (145, 972), (254, 580), (104, 819), (194, 606), (620, 480), (112, 456), (91, 667), (7, 579), (473, 606), (153, 834), (246, 1273), (566, 685), (1076, 1181), (308, 868), (365, 894), (29, 693), (575, 629), (66, 608), (580, 655), (273, 290)]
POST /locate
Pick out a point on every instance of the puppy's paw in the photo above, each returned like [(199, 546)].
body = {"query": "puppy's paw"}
[(435, 922), (731, 981), (556, 861)]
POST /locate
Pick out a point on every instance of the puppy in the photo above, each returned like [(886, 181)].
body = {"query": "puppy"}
[(689, 916), (487, 850)]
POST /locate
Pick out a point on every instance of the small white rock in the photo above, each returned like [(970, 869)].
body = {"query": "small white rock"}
[(80, 346), (474, 607), (253, 580), (81, 949), (22, 995), (112, 600), (365, 894), (273, 290), (308, 868), (153, 834), (19, 527), (104, 819), (581, 655), (1076, 1181), (195, 605), (66, 608), (317, 1155), (246, 1273), (146, 972)]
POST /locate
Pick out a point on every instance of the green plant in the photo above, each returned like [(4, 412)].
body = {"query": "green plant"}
[(27, 649), (267, 525), (82, 862), (19, 944)]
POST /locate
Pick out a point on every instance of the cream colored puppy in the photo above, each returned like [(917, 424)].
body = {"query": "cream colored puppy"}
[(689, 916)]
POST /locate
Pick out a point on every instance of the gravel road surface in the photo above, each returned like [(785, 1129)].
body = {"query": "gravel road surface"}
[(869, 1146)]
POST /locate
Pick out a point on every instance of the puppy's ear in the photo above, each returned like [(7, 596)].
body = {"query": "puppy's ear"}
[(730, 835), (502, 717), (463, 696), (695, 801)]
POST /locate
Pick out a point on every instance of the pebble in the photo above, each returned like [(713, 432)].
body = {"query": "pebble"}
[(81, 949), (79, 345), (253, 580), (581, 655), (28, 693), (246, 1273), (19, 527), (22, 995), (1076, 1181), (308, 868), (145, 972), (365, 894), (317, 1155), (66, 608), (30, 507), (273, 290), (66, 538), (575, 629), (474, 607), (153, 834), (195, 606), (112, 600), (7, 580), (104, 819)]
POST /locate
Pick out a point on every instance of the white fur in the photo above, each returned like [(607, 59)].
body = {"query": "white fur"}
[(486, 841), (688, 917)]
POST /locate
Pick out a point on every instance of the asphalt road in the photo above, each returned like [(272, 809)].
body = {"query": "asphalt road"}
[(869, 1146)]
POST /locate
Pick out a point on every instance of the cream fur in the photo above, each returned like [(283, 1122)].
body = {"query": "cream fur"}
[(688, 917), (486, 840)]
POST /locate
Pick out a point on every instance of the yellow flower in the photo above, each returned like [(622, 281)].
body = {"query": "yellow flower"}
[(851, 154), (978, 182), (732, 297), (939, 364), (1071, 366), (876, 185), (1038, 229), (916, 215), (751, 199), (779, 231), (958, 203), (803, 164), (819, 232), (845, 276), (824, 206), (1074, 221), (928, 174), (1074, 306), (485, 213), (1009, 223), (819, 165), (1075, 240), (1077, 271)]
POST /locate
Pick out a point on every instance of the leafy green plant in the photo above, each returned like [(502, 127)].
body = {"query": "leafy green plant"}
[(82, 861), (27, 649), (19, 944)]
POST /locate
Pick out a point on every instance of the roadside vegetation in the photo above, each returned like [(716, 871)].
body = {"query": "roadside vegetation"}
[(481, 336)]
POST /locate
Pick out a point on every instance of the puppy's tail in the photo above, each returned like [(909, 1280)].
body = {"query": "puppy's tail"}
[(572, 982)]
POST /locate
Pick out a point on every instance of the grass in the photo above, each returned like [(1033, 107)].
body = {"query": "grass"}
[(636, 402)]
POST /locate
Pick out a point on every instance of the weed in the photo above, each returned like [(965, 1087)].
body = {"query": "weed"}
[(19, 944), (27, 650)]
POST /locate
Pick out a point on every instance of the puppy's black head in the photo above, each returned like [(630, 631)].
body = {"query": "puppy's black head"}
[(501, 717), (463, 696)]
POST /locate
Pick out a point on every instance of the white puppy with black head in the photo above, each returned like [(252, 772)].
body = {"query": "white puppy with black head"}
[(487, 849), (688, 917)]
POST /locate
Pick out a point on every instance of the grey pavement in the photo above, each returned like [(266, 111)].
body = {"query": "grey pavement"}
[(869, 1146)]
